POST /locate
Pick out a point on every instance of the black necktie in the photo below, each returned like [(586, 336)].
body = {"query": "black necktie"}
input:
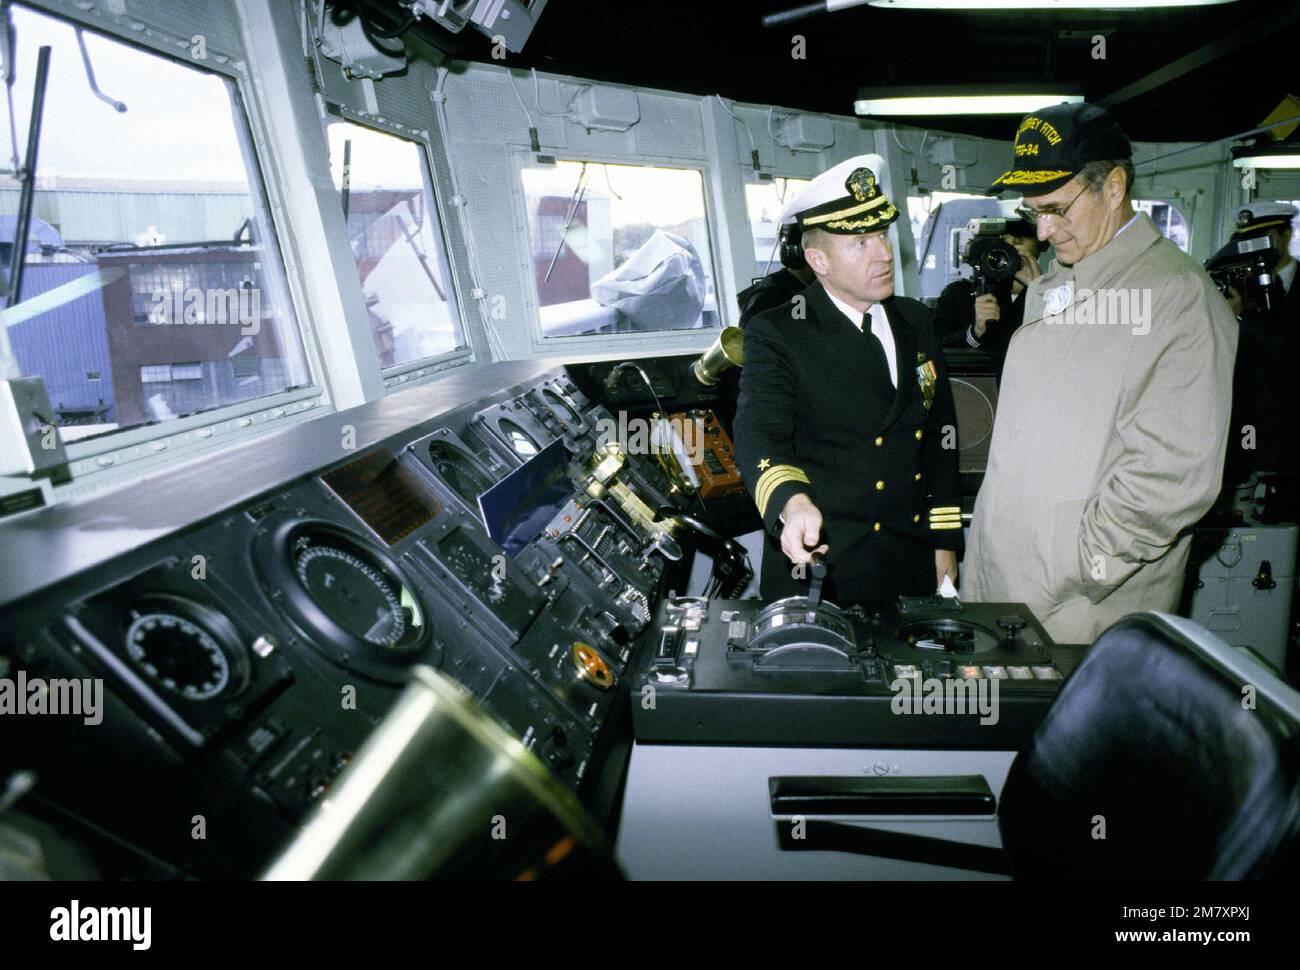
[(875, 348)]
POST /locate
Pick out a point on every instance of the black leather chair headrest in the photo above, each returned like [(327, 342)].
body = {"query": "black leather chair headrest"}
[(1150, 766)]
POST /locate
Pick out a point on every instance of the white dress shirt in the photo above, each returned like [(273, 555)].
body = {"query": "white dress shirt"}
[(879, 327), (1127, 224)]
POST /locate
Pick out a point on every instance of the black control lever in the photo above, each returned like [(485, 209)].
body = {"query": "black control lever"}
[(817, 566)]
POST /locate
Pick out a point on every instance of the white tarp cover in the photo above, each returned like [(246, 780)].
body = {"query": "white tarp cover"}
[(660, 287)]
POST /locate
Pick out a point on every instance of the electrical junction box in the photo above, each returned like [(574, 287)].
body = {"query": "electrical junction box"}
[(951, 151), (606, 109), (348, 45), (806, 133)]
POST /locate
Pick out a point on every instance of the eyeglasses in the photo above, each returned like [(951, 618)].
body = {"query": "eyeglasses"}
[(1032, 215)]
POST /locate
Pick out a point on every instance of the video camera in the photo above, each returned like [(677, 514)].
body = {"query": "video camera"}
[(1247, 266), (992, 260)]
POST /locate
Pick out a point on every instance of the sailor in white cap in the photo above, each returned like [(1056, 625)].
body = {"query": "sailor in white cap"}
[(1274, 220), (776, 289), (845, 420), (1266, 385)]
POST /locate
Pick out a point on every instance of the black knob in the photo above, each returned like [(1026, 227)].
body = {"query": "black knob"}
[(1011, 625), (556, 749)]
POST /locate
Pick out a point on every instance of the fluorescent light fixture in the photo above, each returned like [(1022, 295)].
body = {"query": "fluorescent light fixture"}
[(1030, 4), (1267, 156), (994, 100)]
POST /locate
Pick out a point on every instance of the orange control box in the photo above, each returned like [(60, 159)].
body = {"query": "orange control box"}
[(713, 455)]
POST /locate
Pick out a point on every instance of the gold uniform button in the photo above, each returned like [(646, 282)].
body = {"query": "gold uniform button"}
[(918, 476), (916, 518), (879, 441), (918, 434), (880, 486), (876, 527)]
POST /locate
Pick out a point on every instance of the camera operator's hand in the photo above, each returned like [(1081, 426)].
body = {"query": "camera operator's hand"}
[(986, 310), (1235, 301), (803, 526)]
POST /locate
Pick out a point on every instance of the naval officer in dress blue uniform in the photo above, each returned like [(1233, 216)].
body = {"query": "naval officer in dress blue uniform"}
[(845, 427)]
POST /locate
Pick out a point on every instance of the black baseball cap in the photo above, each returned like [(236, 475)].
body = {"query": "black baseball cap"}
[(1054, 144)]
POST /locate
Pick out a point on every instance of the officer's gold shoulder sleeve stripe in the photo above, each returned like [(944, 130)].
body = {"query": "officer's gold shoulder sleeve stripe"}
[(770, 479)]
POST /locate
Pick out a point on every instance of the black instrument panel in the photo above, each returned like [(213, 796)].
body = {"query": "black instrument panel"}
[(245, 658), (797, 673)]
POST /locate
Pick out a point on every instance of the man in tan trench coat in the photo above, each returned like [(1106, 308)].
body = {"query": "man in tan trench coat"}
[(1113, 415)]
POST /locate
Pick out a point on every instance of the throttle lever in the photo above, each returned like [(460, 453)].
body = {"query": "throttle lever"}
[(818, 570)]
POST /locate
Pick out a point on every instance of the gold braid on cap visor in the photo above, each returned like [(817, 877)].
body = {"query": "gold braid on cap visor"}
[(1030, 178), (1264, 224), (841, 216)]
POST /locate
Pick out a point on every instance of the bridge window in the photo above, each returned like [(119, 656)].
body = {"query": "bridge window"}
[(619, 248), (765, 201), (397, 243), (150, 261), (1168, 220), (936, 219)]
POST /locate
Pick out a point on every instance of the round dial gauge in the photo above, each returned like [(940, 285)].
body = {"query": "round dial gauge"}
[(179, 654), (354, 592), (560, 407), (459, 471), (519, 439)]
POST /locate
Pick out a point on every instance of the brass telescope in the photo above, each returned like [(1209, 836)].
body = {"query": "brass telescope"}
[(728, 351)]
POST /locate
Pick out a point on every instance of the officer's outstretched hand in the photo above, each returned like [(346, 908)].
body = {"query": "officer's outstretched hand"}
[(803, 527)]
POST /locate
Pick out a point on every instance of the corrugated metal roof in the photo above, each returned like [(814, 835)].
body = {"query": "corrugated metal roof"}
[(123, 216)]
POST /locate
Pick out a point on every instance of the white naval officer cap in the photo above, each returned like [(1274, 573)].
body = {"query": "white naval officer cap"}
[(1264, 215), (793, 205), (843, 199)]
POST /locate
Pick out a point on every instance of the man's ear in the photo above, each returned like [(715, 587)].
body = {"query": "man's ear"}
[(816, 260), (1114, 187)]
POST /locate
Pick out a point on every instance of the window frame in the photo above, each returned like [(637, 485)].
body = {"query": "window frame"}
[(400, 374), (670, 340), (751, 178), (91, 458)]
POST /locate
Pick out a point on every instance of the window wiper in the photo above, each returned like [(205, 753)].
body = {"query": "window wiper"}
[(345, 188), (116, 105), (412, 240), (575, 201), (27, 178), (9, 55)]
